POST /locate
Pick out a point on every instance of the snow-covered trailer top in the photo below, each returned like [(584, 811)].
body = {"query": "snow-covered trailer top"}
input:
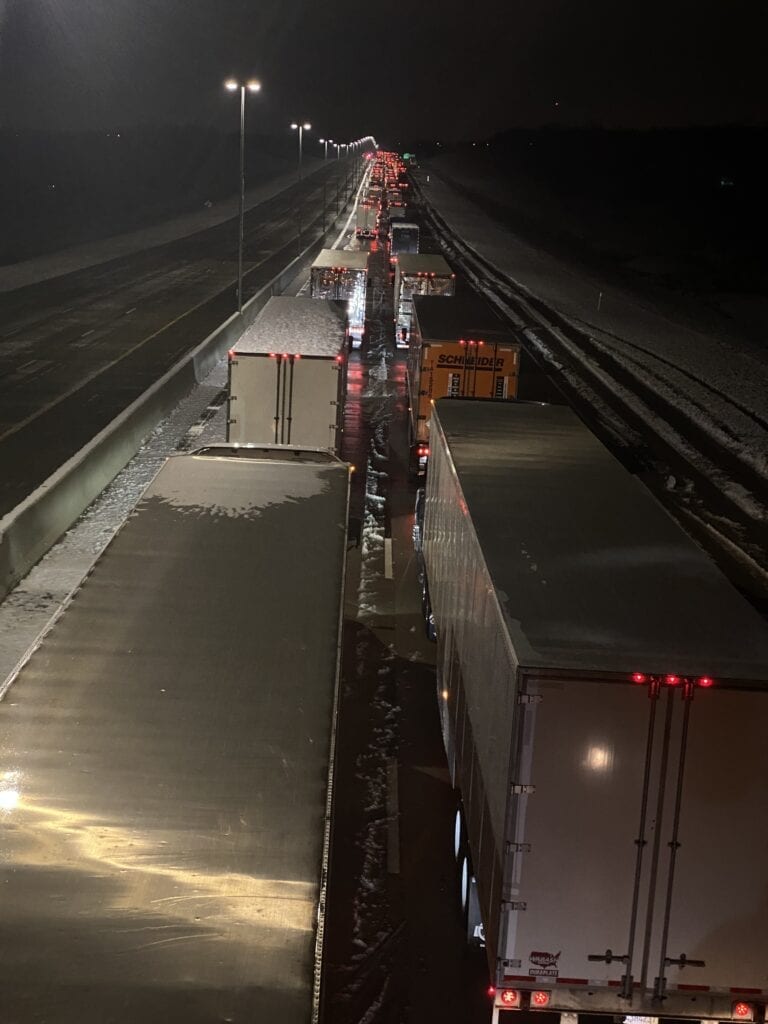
[(296, 326), (591, 572), (341, 259), (167, 757)]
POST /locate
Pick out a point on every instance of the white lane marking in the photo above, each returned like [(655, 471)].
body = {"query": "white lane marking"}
[(393, 819), (352, 211), (92, 331), (132, 310), (388, 558)]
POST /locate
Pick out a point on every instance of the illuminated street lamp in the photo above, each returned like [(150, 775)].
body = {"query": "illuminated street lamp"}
[(338, 148), (301, 128), (325, 143), (232, 85)]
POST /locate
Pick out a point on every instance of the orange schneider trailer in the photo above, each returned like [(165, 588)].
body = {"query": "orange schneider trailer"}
[(459, 348)]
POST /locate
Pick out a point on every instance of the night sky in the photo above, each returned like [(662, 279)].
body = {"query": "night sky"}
[(428, 69)]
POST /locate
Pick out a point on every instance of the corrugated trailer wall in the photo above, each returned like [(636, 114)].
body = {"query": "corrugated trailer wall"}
[(479, 687)]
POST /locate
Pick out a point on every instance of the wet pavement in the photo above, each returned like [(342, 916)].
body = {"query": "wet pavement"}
[(395, 949)]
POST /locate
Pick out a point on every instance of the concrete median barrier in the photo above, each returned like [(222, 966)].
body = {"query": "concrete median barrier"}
[(34, 526)]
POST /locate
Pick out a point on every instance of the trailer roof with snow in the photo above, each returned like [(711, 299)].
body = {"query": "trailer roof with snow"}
[(167, 756), (296, 326), (341, 259), (591, 572), (424, 263), (460, 316)]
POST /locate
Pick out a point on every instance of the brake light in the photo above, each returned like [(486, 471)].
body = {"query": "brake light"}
[(743, 1011), (509, 997), (539, 999)]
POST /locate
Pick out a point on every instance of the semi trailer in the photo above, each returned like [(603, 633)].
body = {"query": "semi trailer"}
[(403, 238), (342, 275), (367, 217), (458, 348), (418, 274), (603, 693), (168, 757), (287, 375)]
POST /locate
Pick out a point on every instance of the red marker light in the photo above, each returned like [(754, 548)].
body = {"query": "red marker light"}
[(491, 991), (231, 354), (638, 677), (510, 997), (339, 359), (671, 680), (705, 681), (743, 1011), (539, 999), (297, 356), (481, 343), (273, 355)]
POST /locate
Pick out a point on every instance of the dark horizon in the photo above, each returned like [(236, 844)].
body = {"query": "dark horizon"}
[(432, 71)]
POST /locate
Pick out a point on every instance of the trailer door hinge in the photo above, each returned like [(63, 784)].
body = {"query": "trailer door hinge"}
[(232, 420), (529, 698), (517, 789), (518, 847), (512, 905)]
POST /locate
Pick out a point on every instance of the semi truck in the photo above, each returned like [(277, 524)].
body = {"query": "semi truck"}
[(342, 275), (366, 219), (403, 238), (418, 274), (602, 691), (458, 348), (287, 375), (168, 757)]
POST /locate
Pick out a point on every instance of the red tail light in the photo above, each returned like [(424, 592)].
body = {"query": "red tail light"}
[(509, 997), (671, 680), (743, 1011), (638, 677), (539, 1000), (705, 681)]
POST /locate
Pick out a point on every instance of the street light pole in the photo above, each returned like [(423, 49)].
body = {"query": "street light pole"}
[(232, 85), (301, 128)]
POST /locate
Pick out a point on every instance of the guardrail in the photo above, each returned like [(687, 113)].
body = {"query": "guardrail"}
[(34, 526)]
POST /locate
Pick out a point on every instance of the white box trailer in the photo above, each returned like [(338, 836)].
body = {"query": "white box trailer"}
[(366, 219), (403, 238), (168, 757), (287, 375), (603, 695), (342, 274), (418, 274)]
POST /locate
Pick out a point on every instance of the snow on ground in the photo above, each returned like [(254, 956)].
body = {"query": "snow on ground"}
[(66, 261), (727, 383)]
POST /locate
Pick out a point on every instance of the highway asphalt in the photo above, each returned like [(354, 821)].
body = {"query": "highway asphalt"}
[(78, 349)]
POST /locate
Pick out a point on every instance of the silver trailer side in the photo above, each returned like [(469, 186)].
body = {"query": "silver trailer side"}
[(167, 757), (603, 692)]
